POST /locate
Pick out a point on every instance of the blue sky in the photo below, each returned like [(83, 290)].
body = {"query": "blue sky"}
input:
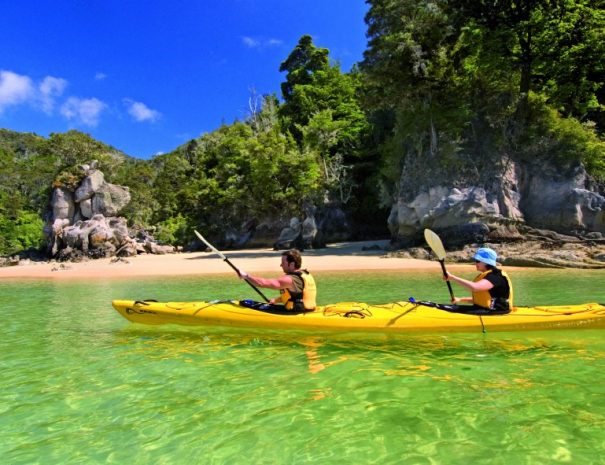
[(147, 76)]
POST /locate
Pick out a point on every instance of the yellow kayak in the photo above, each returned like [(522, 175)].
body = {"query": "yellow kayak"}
[(362, 317)]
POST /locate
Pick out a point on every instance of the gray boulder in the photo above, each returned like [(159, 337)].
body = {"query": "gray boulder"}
[(89, 186), (109, 199), (308, 231), (289, 236), (98, 237), (155, 248), (62, 204)]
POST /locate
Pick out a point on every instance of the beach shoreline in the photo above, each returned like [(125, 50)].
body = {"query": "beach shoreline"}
[(348, 256)]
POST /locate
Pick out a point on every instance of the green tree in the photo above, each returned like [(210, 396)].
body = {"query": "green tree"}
[(555, 47), (322, 111), (239, 173), (301, 67), (19, 229), (413, 85), (173, 174), (247, 175), (458, 77), (139, 176), (75, 147)]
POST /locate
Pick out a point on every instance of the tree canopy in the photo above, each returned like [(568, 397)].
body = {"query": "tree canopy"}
[(468, 81)]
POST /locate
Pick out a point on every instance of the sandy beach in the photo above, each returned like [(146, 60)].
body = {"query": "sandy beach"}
[(348, 256)]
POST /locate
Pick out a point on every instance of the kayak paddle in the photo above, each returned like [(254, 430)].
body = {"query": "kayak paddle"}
[(434, 242), (225, 259)]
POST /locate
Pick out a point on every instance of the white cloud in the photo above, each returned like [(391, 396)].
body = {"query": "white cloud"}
[(14, 89), (252, 42), (141, 112), (17, 89), (49, 88), (84, 111)]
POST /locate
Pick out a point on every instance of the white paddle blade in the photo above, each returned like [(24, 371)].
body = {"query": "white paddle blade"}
[(434, 242), (214, 249)]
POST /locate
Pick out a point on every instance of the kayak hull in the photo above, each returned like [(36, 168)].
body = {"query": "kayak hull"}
[(361, 317)]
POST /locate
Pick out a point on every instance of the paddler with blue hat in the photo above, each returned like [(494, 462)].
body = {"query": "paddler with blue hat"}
[(492, 290)]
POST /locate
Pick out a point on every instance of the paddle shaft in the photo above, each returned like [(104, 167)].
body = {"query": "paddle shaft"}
[(449, 285), (252, 285), (225, 259)]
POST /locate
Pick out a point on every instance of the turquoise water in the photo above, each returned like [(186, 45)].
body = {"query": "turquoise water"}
[(81, 385)]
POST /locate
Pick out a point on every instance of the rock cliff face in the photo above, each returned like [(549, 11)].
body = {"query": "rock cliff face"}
[(521, 195)]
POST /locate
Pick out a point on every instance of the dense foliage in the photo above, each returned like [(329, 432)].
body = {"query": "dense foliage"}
[(458, 84), (233, 175), (445, 91)]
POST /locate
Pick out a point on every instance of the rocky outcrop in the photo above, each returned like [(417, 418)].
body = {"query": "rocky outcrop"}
[(84, 221), (290, 236), (319, 227), (538, 253), (523, 195), (93, 196), (561, 201), (97, 237)]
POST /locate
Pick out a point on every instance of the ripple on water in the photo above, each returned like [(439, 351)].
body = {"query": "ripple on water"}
[(82, 385)]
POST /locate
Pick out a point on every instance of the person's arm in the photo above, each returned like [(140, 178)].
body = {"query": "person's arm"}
[(483, 285), (283, 282)]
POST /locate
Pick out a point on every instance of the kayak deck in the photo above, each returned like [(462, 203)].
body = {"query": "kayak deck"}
[(361, 317)]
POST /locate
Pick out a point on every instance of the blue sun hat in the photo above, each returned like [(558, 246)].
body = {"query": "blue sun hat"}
[(486, 255)]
